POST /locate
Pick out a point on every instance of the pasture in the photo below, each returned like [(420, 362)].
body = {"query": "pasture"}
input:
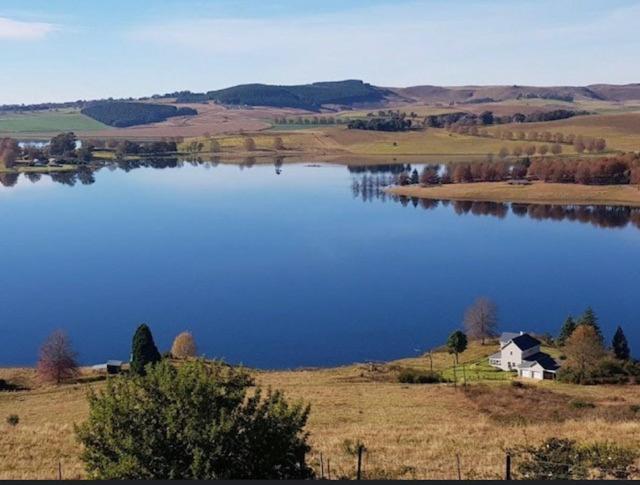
[(47, 122)]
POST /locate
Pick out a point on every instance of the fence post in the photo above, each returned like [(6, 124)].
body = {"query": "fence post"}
[(59, 470), (321, 467), (464, 375), (507, 475), (458, 466), (359, 469), (455, 378), (328, 469)]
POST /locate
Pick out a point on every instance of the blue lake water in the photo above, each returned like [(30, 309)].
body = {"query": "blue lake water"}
[(311, 267)]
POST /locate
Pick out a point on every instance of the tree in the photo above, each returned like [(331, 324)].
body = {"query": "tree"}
[(481, 319), (63, 144), (584, 351), (249, 144), (278, 144), (415, 178), (556, 149), (566, 330), (57, 360), (590, 319), (194, 421), (214, 145), (143, 350), (9, 151), (184, 346), (457, 343), (620, 346)]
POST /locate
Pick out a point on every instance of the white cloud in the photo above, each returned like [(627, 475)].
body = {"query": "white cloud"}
[(11, 29)]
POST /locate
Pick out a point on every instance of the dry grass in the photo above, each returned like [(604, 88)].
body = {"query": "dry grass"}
[(538, 193), (621, 130), (410, 431)]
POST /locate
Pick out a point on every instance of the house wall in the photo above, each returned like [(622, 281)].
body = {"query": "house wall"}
[(535, 372), (511, 357)]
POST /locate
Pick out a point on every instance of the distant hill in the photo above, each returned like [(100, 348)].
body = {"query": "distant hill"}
[(484, 94), (123, 114), (304, 96)]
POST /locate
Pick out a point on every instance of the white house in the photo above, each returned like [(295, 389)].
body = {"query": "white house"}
[(520, 352)]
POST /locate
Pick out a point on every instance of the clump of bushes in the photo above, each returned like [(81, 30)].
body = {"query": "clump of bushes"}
[(580, 404), (564, 459), (13, 420), (410, 375)]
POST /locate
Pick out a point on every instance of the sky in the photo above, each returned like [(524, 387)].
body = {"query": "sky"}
[(62, 50)]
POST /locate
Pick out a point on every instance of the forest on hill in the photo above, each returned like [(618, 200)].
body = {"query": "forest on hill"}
[(123, 114)]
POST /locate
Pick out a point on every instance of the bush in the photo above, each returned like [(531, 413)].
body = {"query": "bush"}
[(194, 421), (417, 376), (579, 404), (13, 420), (563, 459)]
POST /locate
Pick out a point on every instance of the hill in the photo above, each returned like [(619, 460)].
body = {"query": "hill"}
[(483, 94), (306, 96), (123, 114)]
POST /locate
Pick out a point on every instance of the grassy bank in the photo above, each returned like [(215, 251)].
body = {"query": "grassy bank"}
[(410, 431), (536, 193)]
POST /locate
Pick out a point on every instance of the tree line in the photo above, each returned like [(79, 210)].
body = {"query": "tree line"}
[(485, 118), (614, 170)]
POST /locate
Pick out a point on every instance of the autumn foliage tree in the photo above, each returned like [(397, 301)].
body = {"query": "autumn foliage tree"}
[(584, 351), (57, 361), (184, 346), (481, 319)]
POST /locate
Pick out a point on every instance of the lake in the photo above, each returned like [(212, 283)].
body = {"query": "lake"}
[(311, 266)]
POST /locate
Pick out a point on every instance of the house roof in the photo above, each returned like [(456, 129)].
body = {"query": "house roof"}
[(525, 341), (116, 363), (545, 360), (507, 336)]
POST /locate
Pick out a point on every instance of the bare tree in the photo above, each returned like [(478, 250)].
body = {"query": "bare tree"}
[(481, 319), (57, 359)]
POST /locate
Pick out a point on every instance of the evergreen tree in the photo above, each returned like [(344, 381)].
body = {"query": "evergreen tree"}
[(566, 330), (589, 318), (415, 178), (143, 350), (457, 343), (620, 345)]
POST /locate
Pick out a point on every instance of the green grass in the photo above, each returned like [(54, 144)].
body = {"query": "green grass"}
[(47, 122)]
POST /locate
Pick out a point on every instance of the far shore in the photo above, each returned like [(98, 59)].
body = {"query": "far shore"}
[(536, 193)]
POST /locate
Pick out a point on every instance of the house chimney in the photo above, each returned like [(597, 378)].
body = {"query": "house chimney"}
[(521, 332)]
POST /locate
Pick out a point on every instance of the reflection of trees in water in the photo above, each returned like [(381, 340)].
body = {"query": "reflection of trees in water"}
[(599, 216), (9, 179), (371, 186), (383, 168)]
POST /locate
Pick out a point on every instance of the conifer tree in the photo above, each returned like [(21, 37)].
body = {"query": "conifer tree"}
[(620, 345), (589, 318), (143, 350), (566, 330)]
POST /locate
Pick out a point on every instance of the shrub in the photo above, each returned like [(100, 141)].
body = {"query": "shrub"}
[(579, 404), (563, 459), (417, 376), (193, 421), (13, 420), (183, 346)]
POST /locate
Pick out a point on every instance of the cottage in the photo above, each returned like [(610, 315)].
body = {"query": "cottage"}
[(111, 367), (520, 352)]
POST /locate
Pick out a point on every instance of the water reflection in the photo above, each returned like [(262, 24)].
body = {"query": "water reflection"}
[(368, 183)]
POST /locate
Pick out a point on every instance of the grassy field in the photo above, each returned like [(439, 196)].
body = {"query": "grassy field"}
[(538, 192), (620, 130), (47, 122), (410, 431)]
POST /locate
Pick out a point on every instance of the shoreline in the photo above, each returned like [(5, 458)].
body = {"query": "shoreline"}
[(536, 193)]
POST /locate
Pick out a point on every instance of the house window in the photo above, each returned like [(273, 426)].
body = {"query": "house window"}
[(511, 352)]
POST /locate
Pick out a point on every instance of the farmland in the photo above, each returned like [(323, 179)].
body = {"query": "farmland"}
[(46, 122), (410, 431)]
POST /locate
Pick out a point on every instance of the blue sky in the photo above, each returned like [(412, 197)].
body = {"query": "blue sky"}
[(55, 50)]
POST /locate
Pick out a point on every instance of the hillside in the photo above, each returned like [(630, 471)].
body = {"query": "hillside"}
[(306, 96), (478, 94), (410, 431), (123, 114)]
